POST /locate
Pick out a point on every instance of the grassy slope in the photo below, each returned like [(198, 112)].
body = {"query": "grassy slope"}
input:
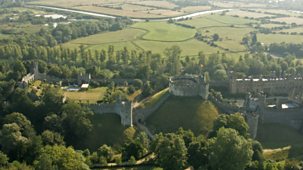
[(107, 130), (278, 38), (153, 99), (189, 113), (276, 136)]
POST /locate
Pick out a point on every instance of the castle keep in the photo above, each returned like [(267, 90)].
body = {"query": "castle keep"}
[(189, 85)]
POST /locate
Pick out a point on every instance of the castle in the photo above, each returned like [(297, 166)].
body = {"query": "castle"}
[(189, 85), (273, 86), (36, 75), (281, 110)]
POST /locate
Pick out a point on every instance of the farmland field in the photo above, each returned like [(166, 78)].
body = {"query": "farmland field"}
[(278, 38), (290, 20), (162, 31), (293, 30), (247, 14), (157, 36), (136, 8)]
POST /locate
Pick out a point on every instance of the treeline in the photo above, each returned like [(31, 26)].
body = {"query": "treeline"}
[(66, 32), (67, 64), (49, 36), (286, 49)]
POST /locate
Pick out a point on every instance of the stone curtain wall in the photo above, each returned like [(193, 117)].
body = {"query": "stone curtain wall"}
[(123, 109)]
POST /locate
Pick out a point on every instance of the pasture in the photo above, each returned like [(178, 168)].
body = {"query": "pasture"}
[(279, 12), (292, 30), (230, 37), (248, 14), (290, 20), (279, 38), (136, 9), (157, 36), (187, 112), (164, 32)]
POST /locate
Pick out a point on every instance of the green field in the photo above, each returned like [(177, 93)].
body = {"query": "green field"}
[(157, 36), (293, 30), (186, 112), (90, 96), (135, 8), (231, 37), (279, 38), (162, 31)]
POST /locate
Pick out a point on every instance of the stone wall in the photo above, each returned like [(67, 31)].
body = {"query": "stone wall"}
[(124, 109), (272, 86)]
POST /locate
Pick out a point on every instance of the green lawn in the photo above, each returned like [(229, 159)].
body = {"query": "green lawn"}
[(191, 47), (187, 112), (90, 96), (122, 38), (107, 129), (230, 37), (217, 21), (276, 136), (163, 31)]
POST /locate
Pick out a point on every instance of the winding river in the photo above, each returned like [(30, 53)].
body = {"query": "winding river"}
[(133, 19)]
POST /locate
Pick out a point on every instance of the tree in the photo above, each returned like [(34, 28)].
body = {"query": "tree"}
[(3, 160), (216, 37), (24, 124), (106, 152), (234, 121), (229, 150), (52, 138), (60, 157), (198, 153), (76, 121), (13, 143), (173, 55), (170, 150)]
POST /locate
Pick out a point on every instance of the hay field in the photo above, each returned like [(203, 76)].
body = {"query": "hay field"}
[(278, 38), (248, 14), (290, 20)]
